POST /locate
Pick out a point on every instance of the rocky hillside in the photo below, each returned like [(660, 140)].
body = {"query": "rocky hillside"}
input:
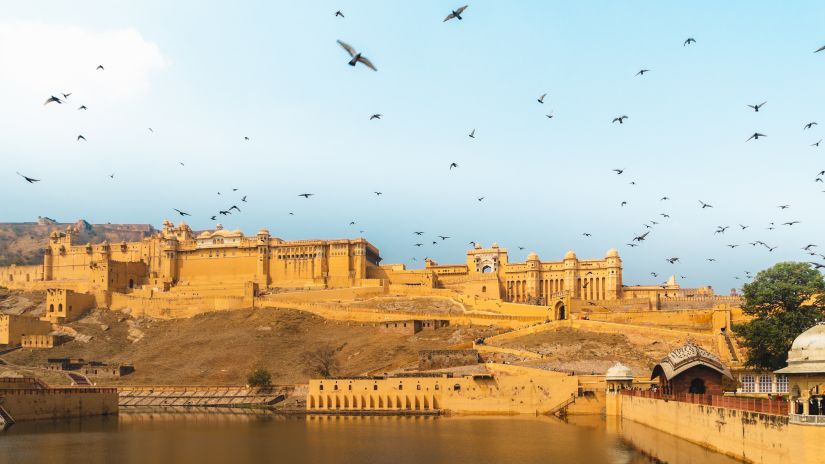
[(23, 242)]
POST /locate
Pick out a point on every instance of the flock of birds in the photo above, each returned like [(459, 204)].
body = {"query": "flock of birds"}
[(356, 57)]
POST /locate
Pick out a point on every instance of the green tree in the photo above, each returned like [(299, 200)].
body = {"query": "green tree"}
[(784, 300), (260, 377)]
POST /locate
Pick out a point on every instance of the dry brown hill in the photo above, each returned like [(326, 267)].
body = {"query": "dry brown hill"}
[(22, 243), (223, 347)]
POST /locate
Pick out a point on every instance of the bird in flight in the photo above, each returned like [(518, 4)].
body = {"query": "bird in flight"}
[(756, 107), (808, 247), (443, 237), (672, 260), (640, 238), (743, 227), (80, 137), (689, 41), (235, 208), (419, 244), (28, 179), (456, 14), (338, 13), (819, 49), (418, 233), (480, 198), (53, 99), (705, 205), (453, 165), (618, 171), (243, 198), (66, 95), (541, 98), (817, 143), (112, 175), (306, 195), (732, 246), (817, 265), (711, 259), (664, 215), (784, 206), (586, 234), (472, 134), (790, 223), (623, 203), (756, 136), (82, 107), (246, 138), (642, 72), (99, 68), (654, 274), (375, 116), (721, 230), (356, 57), (664, 198), (182, 213), (150, 130), (631, 245), (549, 115), (809, 125), (212, 218), (620, 119), (378, 194)]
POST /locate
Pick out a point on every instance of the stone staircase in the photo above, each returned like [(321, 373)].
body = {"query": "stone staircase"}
[(5, 419)]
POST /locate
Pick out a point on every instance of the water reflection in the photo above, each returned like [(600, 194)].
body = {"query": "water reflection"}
[(233, 437)]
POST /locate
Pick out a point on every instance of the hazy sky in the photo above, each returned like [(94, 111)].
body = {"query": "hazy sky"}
[(204, 74)]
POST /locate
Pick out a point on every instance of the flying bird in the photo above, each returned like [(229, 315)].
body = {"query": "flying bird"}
[(817, 143), (213, 218), (453, 165), (356, 57), (705, 205), (456, 14), (784, 206), (664, 198), (338, 13), (756, 107), (809, 125), (182, 213), (819, 49), (53, 99), (541, 98), (80, 137), (235, 208), (618, 171), (443, 237), (672, 260), (623, 203), (28, 179), (243, 198), (418, 233), (100, 68), (472, 134), (480, 198), (641, 238), (306, 195), (378, 194), (375, 116), (82, 107), (790, 223), (586, 234), (689, 41), (642, 72), (549, 115), (620, 119), (756, 136)]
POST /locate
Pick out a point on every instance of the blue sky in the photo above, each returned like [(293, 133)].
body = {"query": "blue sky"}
[(205, 74)]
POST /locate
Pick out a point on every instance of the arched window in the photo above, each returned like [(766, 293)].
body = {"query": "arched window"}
[(131, 283), (456, 387), (697, 386), (484, 289), (60, 308), (51, 308)]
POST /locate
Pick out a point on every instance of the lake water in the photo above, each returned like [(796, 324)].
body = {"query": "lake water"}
[(149, 438)]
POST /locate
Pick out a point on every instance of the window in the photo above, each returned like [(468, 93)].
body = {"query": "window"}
[(748, 385), (375, 387), (335, 387), (437, 387), (418, 387), (457, 387), (782, 384), (400, 386), (321, 387), (765, 384)]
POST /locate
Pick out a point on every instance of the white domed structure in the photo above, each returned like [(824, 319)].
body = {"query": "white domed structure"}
[(807, 355), (619, 372)]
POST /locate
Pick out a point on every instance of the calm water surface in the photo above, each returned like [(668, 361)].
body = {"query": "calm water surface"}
[(263, 438)]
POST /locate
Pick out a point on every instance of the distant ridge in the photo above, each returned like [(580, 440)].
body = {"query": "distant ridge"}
[(22, 242)]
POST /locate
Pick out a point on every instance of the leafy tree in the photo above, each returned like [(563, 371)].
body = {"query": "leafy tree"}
[(784, 300), (322, 362), (260, 377)]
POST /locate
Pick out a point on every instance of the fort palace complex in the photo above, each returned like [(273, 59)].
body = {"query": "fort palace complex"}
[(177, 268)]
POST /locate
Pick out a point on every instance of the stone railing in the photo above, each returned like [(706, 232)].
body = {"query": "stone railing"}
[(807, 420)]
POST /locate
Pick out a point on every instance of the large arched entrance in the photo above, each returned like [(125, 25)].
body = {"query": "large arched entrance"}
[(561, 311)]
